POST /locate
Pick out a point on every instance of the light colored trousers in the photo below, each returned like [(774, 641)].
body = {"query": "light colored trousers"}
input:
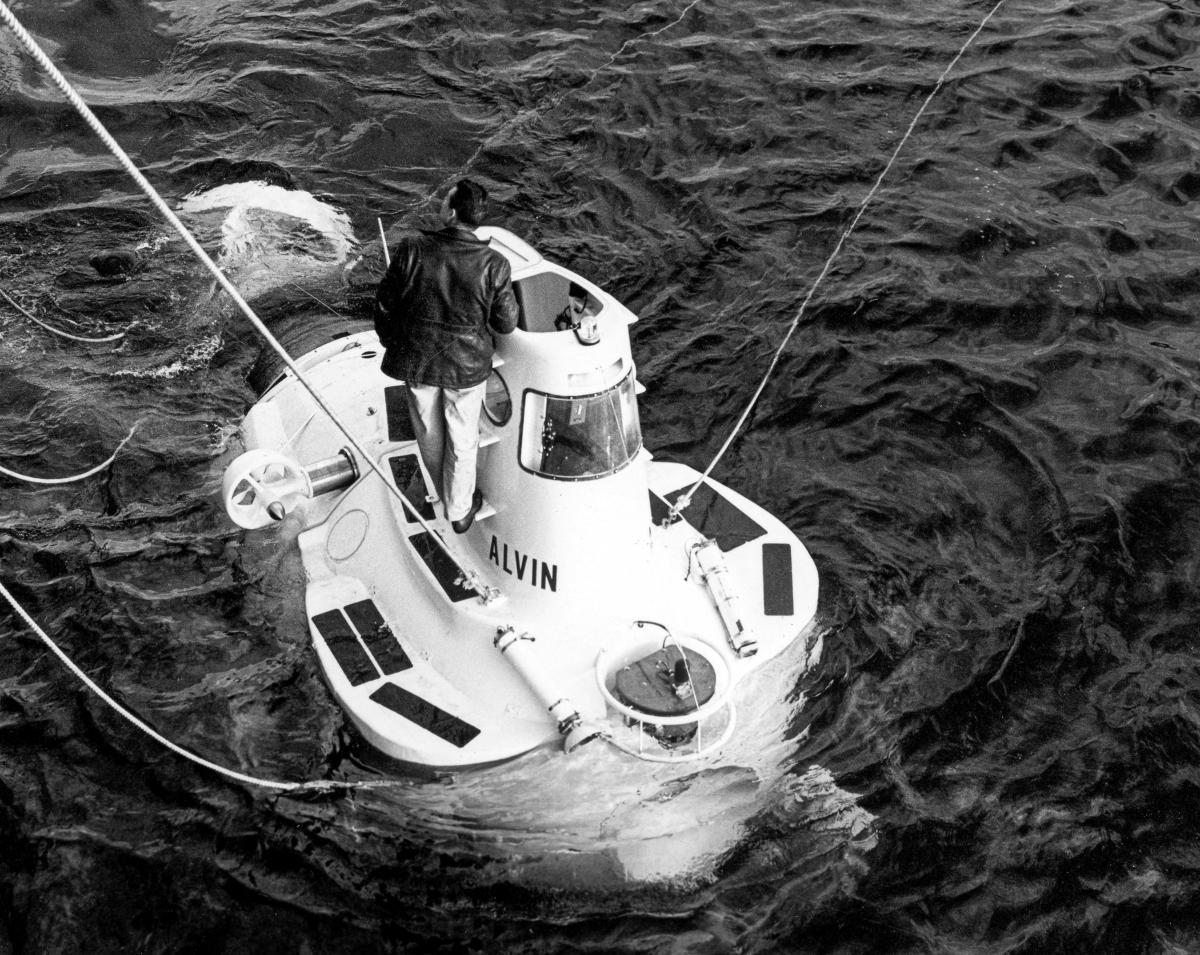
[(446, 421)]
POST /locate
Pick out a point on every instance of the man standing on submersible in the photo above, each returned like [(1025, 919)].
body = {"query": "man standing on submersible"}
[(433, 310)]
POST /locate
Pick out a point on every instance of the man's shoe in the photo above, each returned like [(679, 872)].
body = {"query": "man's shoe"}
[(463, 525)]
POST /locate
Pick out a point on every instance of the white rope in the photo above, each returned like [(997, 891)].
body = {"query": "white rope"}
[(50, 328), (683, 501), (320, 784), (470, 577), (74, 477)]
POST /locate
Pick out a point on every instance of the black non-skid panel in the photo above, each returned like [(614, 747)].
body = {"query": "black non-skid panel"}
[(444, 569), (395, 402), (713, 516), (344, 645), (425, 714), (778, 597), (378, 636), (406, 472)]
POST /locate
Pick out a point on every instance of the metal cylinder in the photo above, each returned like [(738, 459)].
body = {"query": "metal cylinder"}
[(332, 474), (519, 650)]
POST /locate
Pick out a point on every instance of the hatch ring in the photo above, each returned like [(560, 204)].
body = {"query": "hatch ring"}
[(648, 724)]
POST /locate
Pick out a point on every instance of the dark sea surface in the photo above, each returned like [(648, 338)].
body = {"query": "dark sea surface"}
[(985, 429)]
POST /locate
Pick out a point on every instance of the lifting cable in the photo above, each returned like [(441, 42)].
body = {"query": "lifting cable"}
[(470, 577), (685, 499)]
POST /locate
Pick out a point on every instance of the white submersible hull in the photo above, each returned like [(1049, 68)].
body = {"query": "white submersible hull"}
[(582, 604)]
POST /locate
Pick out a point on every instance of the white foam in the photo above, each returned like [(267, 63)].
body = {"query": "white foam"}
[(196, 355), (244, 232)]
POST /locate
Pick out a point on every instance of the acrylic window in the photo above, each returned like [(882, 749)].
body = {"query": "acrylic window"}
[(577, 438), (497, 402)]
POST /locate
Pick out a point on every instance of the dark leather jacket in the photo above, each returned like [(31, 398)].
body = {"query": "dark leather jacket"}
[(434, 307)]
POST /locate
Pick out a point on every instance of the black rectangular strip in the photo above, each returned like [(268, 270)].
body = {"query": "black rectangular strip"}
[(410, 482), (399, 424), (344, 646), (425, 714), (444, 569), (778, 598), (713, 516), (378, 636)]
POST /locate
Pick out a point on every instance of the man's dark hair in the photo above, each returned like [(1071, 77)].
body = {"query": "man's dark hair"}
[(470, 201)]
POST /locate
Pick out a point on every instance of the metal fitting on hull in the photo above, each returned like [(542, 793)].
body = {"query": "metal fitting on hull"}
[(519, 650)]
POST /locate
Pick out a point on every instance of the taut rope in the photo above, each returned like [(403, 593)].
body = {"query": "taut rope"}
[(470, 577), (684, 500)]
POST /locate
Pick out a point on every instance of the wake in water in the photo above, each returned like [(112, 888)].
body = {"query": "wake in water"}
[(602, 821), (266, 220), (272, 237), (275, 244)]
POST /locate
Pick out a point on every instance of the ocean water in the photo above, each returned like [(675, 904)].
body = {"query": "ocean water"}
[(985, 429)]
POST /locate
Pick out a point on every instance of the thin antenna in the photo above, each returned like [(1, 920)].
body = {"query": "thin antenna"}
[(387, 259)]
